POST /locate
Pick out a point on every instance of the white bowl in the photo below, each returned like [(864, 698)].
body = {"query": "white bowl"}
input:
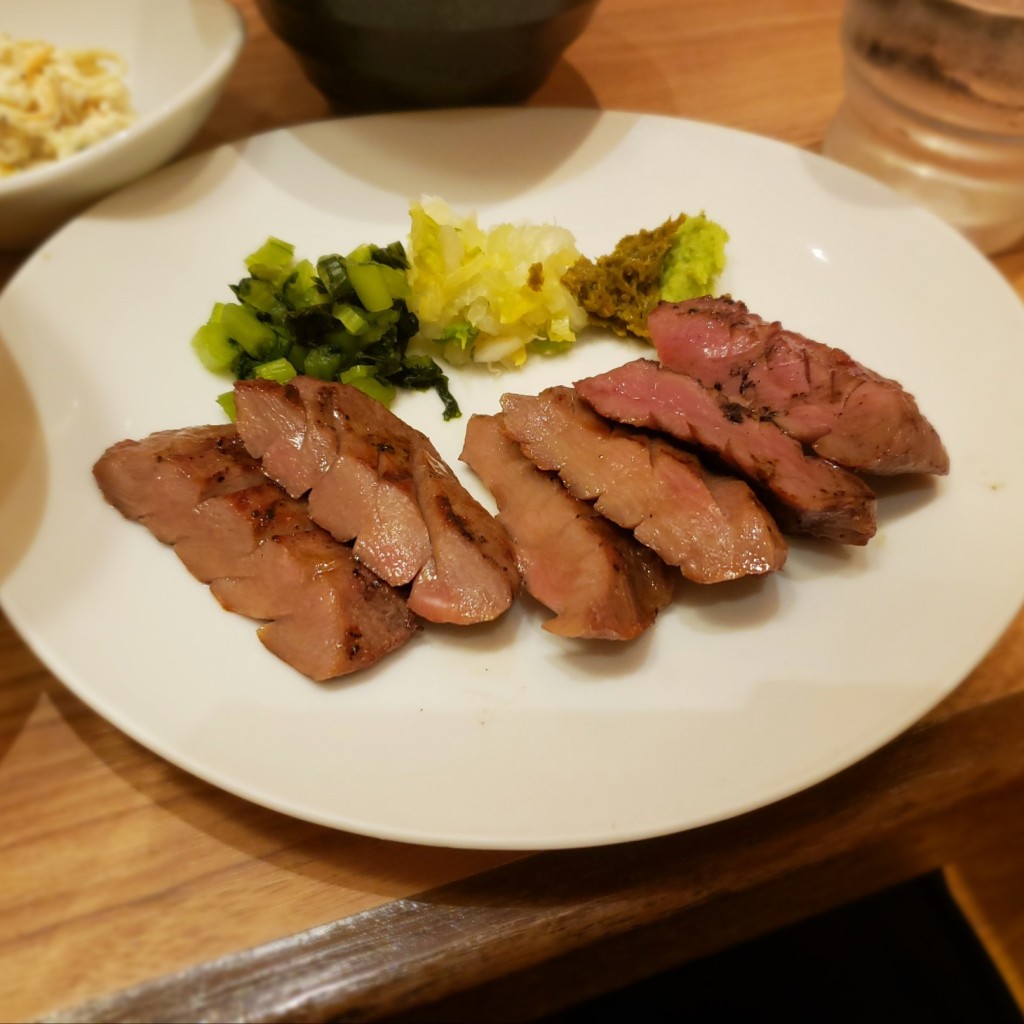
[(179, 54)]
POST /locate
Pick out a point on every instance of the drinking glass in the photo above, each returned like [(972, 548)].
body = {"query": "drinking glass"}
[(934, 106)]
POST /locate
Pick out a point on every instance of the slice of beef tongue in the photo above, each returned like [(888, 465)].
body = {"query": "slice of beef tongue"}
[(816, 393), (375, 480), (360, 483), (328, 614), (357, 469), (160, 480), (200, 490), (712, 527), (600, 582), (807, 494)]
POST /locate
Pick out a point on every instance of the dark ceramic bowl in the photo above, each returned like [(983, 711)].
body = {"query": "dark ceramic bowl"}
[(391, 54)]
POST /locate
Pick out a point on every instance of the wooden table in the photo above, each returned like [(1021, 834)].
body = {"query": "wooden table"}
[(133, 891)]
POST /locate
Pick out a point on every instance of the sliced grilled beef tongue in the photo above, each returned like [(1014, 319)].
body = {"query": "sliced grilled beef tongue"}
[(356, 469), (818, 394), (711, 526), (807, 494), (373, 479), (595, 576), (200, 490)]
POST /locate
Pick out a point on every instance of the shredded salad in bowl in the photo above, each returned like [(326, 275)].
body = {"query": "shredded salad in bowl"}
[(55, 101)]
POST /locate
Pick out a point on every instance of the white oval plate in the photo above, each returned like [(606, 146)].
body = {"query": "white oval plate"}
[(504, 736)]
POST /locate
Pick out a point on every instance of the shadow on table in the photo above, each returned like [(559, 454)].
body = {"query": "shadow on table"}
[(565, 87)]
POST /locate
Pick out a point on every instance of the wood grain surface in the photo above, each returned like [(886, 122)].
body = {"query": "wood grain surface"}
[(133, 891)]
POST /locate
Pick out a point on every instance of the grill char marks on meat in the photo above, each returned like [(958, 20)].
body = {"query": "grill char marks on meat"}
[(373, 479), (807, 494), (598, 580), (199, 490), (817, 394), (358, 473), (329, 615), (713, 528), (366, 491), (160, 481)]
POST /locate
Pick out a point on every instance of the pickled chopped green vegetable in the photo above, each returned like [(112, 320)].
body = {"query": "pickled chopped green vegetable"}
[(322, 362), (351, 318), (370, 286), (227, 402), (363, 377), (215, 349), (342, 318), (271, 261), (279, 370)]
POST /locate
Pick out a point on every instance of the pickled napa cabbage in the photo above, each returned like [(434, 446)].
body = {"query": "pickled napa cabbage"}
[(491, 296)]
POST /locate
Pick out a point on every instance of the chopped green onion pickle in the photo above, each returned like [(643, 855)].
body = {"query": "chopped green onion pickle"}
[(342, 318)]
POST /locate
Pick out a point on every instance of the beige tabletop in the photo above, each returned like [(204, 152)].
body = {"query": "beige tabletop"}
[(133, 891)]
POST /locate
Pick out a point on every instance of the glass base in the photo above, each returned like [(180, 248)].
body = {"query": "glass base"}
[(967, 182)]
